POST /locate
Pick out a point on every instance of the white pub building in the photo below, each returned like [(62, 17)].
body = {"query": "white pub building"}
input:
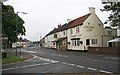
[(80, 33)]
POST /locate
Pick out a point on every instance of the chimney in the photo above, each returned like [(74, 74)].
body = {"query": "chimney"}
[(92, 10), (59, 25), (68, 20)]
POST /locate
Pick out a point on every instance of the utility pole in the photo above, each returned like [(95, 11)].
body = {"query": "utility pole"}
[(17, 26)]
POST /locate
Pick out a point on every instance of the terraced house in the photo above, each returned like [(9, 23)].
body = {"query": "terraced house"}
[(79, 34)]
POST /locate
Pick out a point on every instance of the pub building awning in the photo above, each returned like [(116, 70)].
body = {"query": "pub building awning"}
[(115, 40), (75, 39)]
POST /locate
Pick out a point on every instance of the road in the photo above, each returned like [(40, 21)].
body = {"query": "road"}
[(54, 61)]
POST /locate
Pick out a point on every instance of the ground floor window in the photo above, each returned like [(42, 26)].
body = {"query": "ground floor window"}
[(87, 41), (76, 42), (94, 41)]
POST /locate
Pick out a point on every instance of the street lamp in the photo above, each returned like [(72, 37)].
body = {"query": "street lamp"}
[(40, 36), (16, 27)]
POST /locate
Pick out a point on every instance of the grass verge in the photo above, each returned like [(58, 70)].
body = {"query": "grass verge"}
[(11, 59)]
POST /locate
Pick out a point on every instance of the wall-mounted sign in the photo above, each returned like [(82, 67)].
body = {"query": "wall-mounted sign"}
[(76, 35), (89, 28)]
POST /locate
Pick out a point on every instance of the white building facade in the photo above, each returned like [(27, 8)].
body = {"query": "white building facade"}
[(81, 33)]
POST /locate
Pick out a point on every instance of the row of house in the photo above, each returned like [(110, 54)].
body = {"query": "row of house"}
[(79, 34)]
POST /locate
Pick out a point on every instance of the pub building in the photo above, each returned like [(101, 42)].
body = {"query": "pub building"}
[(80, 33)]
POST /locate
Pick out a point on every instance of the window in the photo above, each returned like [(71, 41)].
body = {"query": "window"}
[(72, 42), (75, 42), (64, 33), (78, 42), (71, 31), (55, 35), (94, 41), (77, 29), (109, 32), (87, 41)]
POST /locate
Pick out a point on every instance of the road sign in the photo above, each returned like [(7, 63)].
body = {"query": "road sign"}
[(20, 39)]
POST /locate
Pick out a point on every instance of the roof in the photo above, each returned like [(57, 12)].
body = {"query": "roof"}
[(79, 21), (71, 24), (60, 28), (115, 40)]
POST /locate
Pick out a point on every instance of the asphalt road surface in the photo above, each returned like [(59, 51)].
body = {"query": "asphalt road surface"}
[(54, 61)]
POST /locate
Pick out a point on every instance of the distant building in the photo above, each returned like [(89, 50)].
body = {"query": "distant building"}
[(80, 33)]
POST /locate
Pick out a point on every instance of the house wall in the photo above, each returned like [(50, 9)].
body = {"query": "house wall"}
[(92, 28)]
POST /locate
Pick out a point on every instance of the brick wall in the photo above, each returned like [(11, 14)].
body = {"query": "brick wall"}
[(104, 50)]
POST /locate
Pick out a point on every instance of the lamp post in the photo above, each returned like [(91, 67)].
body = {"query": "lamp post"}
[(16, 26), (40, 36)]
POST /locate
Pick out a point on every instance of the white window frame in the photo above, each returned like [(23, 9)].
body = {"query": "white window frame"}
[(75, 42), (77, 29), (94, 41), (71, 31)]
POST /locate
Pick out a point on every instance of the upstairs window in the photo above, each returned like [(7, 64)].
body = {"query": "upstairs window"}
[(109, 32), (77, 30), (64, 33), (55, 35), (71, 31)]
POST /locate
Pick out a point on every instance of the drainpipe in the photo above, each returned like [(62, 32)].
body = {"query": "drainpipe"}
[(102, 40)]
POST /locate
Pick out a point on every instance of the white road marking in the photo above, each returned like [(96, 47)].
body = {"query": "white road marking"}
[(105, 71), (35, 56), (71, 64), (34, 65), (103, 61), (80, 66), (10, 68), (91, 68), (28, 51), (45, 63), (112, 62), (48, 60), (63, 63), (115, 58), (30, 66)]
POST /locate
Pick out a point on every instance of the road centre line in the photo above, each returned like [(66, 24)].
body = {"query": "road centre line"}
[(115, 58), (71, 64), (63, 63), (80, 66), (91, 68), (105, 71), (103, 61)]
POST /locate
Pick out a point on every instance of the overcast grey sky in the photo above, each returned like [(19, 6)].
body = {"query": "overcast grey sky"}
[(44, 15)]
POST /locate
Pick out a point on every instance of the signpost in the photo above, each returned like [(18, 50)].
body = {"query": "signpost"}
[(20, 40)]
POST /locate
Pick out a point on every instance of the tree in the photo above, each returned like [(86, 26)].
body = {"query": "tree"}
[(9, 22), (114, 8)]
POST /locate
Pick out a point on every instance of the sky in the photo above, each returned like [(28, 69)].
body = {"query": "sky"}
[(43, 15)]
